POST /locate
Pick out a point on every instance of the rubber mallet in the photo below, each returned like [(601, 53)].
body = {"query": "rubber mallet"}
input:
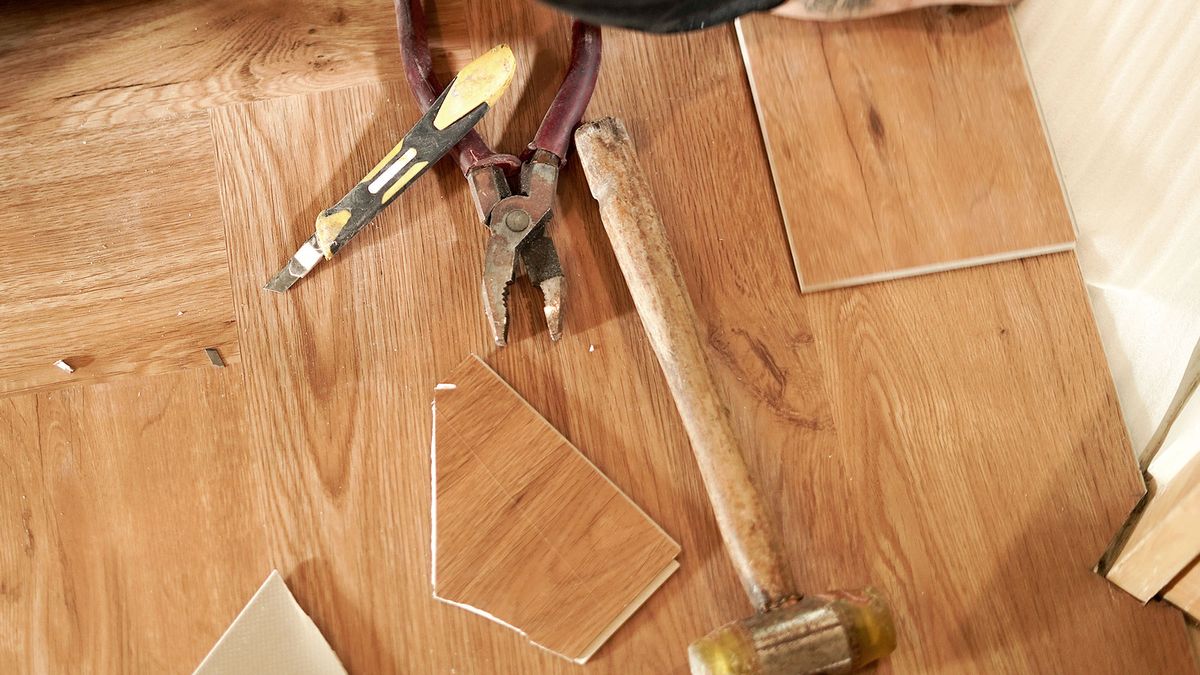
[(829, 633)]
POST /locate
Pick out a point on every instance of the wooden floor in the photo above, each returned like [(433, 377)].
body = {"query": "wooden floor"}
[(952, 438)]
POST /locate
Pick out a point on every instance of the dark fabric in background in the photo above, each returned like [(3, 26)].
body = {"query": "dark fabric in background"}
[(660, 16)]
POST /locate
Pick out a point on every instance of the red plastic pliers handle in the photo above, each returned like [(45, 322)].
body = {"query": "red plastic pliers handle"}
[(514, 196), (554, 134)]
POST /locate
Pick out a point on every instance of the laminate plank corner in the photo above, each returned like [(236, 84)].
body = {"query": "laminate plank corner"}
[(903, 145), (1164, 540), (525, 530)]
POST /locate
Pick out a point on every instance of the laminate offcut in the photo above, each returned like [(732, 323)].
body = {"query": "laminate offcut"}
[(1184, 591), (526, 531), (903, 145), (1164, 540)]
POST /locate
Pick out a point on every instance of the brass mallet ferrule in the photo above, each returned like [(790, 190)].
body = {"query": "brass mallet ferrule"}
[(836, 632)]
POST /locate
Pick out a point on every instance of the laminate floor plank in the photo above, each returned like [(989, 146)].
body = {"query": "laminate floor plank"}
[(1163, 540), (1184, 592), (117, 261), (986, 469), (135, 527), (95, 64), (903, 145)]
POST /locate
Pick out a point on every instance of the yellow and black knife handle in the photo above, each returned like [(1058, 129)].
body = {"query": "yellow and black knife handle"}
[(460, 107)]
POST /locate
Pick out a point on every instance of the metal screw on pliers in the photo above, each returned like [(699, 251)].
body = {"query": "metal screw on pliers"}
[(517, 221)]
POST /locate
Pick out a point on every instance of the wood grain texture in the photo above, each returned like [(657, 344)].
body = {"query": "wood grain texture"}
[(1184, 593), (1164, 539), (934, 402), (904, 144), (117, 261), (525, 529), (93, 64), (1194, 631), (948, 499), (130, 528)]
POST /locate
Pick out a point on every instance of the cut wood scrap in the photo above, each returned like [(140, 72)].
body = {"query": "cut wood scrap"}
[(1184, 591), (903, 145), (1164, 540), (526, 531)]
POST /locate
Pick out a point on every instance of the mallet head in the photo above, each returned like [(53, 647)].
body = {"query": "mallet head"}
[(835, 632)]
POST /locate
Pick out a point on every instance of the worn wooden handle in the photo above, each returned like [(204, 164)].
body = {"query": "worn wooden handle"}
[(639, 241)]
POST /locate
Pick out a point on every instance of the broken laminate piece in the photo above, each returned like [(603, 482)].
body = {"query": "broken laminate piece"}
[(526, 531), (214, 357), (903, 145)]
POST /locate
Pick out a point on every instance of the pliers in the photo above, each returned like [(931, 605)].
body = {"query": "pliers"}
[(516, 214)]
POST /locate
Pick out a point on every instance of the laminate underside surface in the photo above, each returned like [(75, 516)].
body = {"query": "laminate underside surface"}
[(953, 439)]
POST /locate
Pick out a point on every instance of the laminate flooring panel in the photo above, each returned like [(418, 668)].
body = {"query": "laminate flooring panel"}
[(903, 145), (117, 260), (94, 64), (130, 527)]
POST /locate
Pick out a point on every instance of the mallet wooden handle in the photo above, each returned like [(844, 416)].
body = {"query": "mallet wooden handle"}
[(639, 241)]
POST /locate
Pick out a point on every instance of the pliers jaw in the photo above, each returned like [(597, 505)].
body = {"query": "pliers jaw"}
[(540, 260), (517, 223)]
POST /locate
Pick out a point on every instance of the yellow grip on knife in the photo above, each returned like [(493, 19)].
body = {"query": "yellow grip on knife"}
[(328, 228), (481, 81)]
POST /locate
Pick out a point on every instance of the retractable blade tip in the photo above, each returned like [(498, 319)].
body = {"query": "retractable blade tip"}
[(301, 263)]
